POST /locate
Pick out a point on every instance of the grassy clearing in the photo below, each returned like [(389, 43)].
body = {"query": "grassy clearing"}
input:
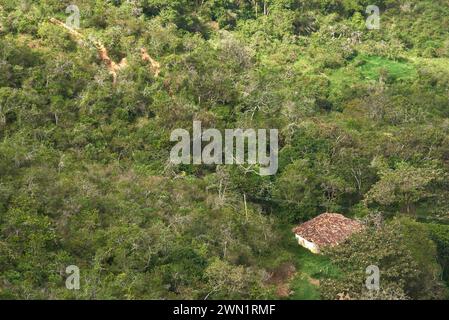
[(303, 289), (371, 67), (310, 267)]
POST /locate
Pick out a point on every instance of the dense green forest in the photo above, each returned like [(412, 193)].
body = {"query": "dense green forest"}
[(85, 120)]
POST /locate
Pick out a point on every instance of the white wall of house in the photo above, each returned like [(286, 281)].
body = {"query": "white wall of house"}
[(307, 244)]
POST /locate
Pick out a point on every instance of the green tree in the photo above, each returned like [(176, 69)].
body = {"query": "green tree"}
[(404, 186)]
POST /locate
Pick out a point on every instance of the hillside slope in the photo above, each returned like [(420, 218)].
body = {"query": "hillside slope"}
[(85, 121)]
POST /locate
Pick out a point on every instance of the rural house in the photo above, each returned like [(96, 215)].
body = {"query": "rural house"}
[(326, 230)]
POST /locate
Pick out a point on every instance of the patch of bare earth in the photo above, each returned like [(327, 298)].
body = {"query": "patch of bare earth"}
[(313, 281), (280, 277)]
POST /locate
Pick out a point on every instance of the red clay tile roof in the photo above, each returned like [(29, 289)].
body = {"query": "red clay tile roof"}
[(328, 229)]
